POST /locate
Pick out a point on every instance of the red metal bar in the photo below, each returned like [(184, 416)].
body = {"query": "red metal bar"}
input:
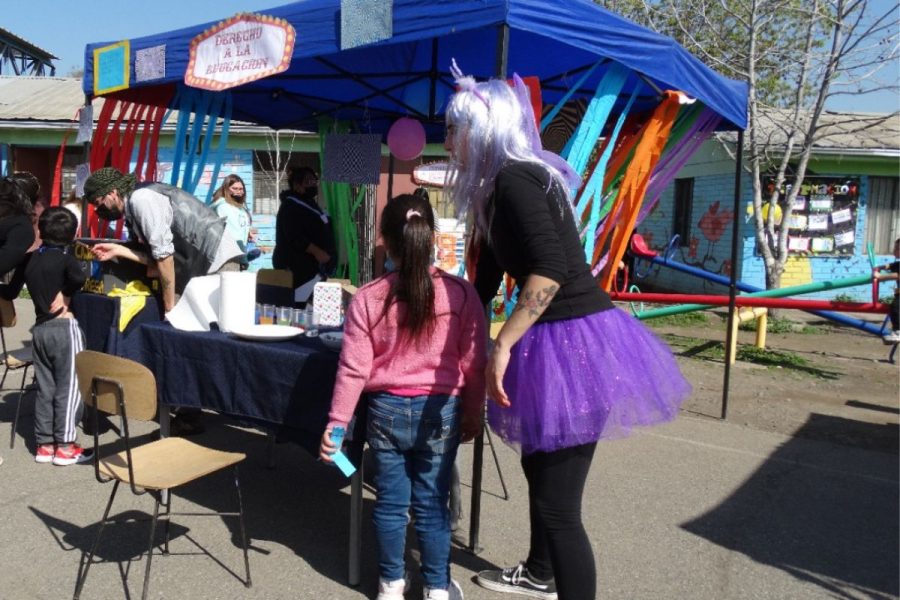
[(712, 300)]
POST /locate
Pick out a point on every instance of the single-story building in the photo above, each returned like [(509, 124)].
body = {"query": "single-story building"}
[(849, 200)]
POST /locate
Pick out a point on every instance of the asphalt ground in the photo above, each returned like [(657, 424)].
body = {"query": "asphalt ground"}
[(698, 509)]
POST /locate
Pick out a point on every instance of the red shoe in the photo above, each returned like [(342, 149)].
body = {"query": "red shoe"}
[(44, 453), (71, 454)]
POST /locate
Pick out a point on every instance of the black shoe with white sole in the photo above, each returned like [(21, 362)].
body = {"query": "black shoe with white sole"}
[(517, 580)]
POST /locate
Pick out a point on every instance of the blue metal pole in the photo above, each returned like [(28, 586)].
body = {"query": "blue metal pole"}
[(745, 287)]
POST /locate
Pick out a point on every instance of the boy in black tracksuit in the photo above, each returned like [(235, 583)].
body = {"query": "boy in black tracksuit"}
[(51, 271)]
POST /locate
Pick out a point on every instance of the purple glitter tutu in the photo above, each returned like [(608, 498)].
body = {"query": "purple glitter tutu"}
[(576, 381)]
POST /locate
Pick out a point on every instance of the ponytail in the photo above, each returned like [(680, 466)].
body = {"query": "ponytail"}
[(407, 226)]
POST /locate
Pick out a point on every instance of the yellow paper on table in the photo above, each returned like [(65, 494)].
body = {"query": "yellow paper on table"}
[(134, 298)]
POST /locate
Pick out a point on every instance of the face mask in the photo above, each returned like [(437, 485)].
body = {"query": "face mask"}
[(238, 197), (309, 194), (108, 214)]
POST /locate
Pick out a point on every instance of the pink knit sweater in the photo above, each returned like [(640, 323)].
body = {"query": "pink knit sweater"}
[(377, 356)]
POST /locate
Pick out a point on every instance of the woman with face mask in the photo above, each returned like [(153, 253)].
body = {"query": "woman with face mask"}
[(304, 240), (230, 203)]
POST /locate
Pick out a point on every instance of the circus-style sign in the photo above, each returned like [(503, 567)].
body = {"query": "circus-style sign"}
[(239, 50)]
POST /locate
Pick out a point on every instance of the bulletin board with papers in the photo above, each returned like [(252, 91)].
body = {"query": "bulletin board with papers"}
[(823, 219)]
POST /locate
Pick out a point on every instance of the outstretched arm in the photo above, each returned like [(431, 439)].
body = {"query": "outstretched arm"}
[(534, 298)]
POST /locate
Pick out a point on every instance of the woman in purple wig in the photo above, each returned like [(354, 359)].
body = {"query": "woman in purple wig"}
[(567, 369)]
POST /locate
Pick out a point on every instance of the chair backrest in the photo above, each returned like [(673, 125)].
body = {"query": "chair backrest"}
[(7, 313), (137, 383), (275, 277)]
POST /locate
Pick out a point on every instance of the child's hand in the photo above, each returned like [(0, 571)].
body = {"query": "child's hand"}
[(471, 426), (327, 447)]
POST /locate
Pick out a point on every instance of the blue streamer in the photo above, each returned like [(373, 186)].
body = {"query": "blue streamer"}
[(213, 105), (184, 114), (223, 144), (594, 186), (562, 101), (201, 108), (581, 144)]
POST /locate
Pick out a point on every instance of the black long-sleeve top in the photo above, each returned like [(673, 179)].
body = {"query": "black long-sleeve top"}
[(51, 270), (532, 232), (16, 237), (299, 223)]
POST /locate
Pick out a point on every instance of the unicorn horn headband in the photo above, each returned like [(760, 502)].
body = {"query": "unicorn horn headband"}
[(466, 83)]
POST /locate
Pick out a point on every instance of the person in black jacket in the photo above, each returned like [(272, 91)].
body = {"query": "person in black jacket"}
[(50, 272), (567, 368), (304, 240)]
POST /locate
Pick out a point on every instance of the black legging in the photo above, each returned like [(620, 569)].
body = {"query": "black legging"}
[(559, 544)]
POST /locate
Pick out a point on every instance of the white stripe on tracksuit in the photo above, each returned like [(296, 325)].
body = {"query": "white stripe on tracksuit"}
[(74, 400)]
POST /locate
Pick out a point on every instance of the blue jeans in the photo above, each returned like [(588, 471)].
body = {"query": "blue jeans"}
[(413, 442)]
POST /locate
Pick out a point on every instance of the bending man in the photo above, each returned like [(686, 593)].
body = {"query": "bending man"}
[(179, 236)]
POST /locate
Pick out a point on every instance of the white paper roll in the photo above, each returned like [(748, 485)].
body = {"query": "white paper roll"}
[(237, 300)]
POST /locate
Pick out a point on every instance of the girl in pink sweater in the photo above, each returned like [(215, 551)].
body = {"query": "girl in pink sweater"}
[(414, 343)]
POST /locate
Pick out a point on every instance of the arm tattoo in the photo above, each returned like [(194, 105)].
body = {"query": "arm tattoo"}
[(536, 302)]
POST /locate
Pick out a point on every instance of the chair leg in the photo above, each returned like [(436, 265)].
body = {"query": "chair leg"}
[(150, 546), (79, 584), (237, 486), (12, 434), (168, 503)]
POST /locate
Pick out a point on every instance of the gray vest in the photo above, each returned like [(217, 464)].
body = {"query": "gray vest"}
[(196, 231)]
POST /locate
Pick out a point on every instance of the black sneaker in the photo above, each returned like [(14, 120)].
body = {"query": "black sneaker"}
[(517, 580)]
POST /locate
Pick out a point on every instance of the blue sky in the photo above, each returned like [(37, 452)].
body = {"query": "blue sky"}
[(64, 27)]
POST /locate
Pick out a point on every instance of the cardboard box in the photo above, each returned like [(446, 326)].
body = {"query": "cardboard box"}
[(103, 277)]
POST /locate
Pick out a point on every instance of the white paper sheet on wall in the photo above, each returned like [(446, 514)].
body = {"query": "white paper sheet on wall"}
[(844, 238), (841, 216), (798, 244), (797, 222), (818, 222), (85, 124), (822, 244)]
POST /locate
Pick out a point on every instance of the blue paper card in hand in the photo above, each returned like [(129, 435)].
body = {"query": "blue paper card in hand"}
[(338, 458)]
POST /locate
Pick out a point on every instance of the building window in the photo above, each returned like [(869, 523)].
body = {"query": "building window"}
[(883, 214), (681, 219)]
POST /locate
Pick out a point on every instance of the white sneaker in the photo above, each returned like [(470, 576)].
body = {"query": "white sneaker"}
[(391, 590), (893, 337), (454, 592)]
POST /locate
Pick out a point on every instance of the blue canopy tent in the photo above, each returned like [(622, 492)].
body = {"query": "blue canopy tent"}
[(406, 73)]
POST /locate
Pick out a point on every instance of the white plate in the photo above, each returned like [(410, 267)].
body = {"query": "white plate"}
[(267, 332), (332, 340)]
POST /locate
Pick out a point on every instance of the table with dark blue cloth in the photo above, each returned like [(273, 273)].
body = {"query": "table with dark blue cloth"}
[(284, 384), (98, 316)]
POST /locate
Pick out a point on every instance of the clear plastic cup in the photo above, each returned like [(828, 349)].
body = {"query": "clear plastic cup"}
[(284, 315), (267, 316), (312, 320), (299, 318)]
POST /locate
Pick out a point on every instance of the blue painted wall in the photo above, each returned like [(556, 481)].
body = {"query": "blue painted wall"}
[(709, 246)]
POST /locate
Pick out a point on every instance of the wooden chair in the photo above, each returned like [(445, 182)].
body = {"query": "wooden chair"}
[(118, 386), (16, 360), (275, 286)]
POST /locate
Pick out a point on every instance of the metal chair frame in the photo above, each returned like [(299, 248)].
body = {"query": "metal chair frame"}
[(161, 496), (22, 356)]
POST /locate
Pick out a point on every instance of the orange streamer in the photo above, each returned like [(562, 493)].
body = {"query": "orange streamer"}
[(634, 185)]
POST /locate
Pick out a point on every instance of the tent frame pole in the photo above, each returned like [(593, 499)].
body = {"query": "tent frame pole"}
[(732, 285), (502, 66)]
